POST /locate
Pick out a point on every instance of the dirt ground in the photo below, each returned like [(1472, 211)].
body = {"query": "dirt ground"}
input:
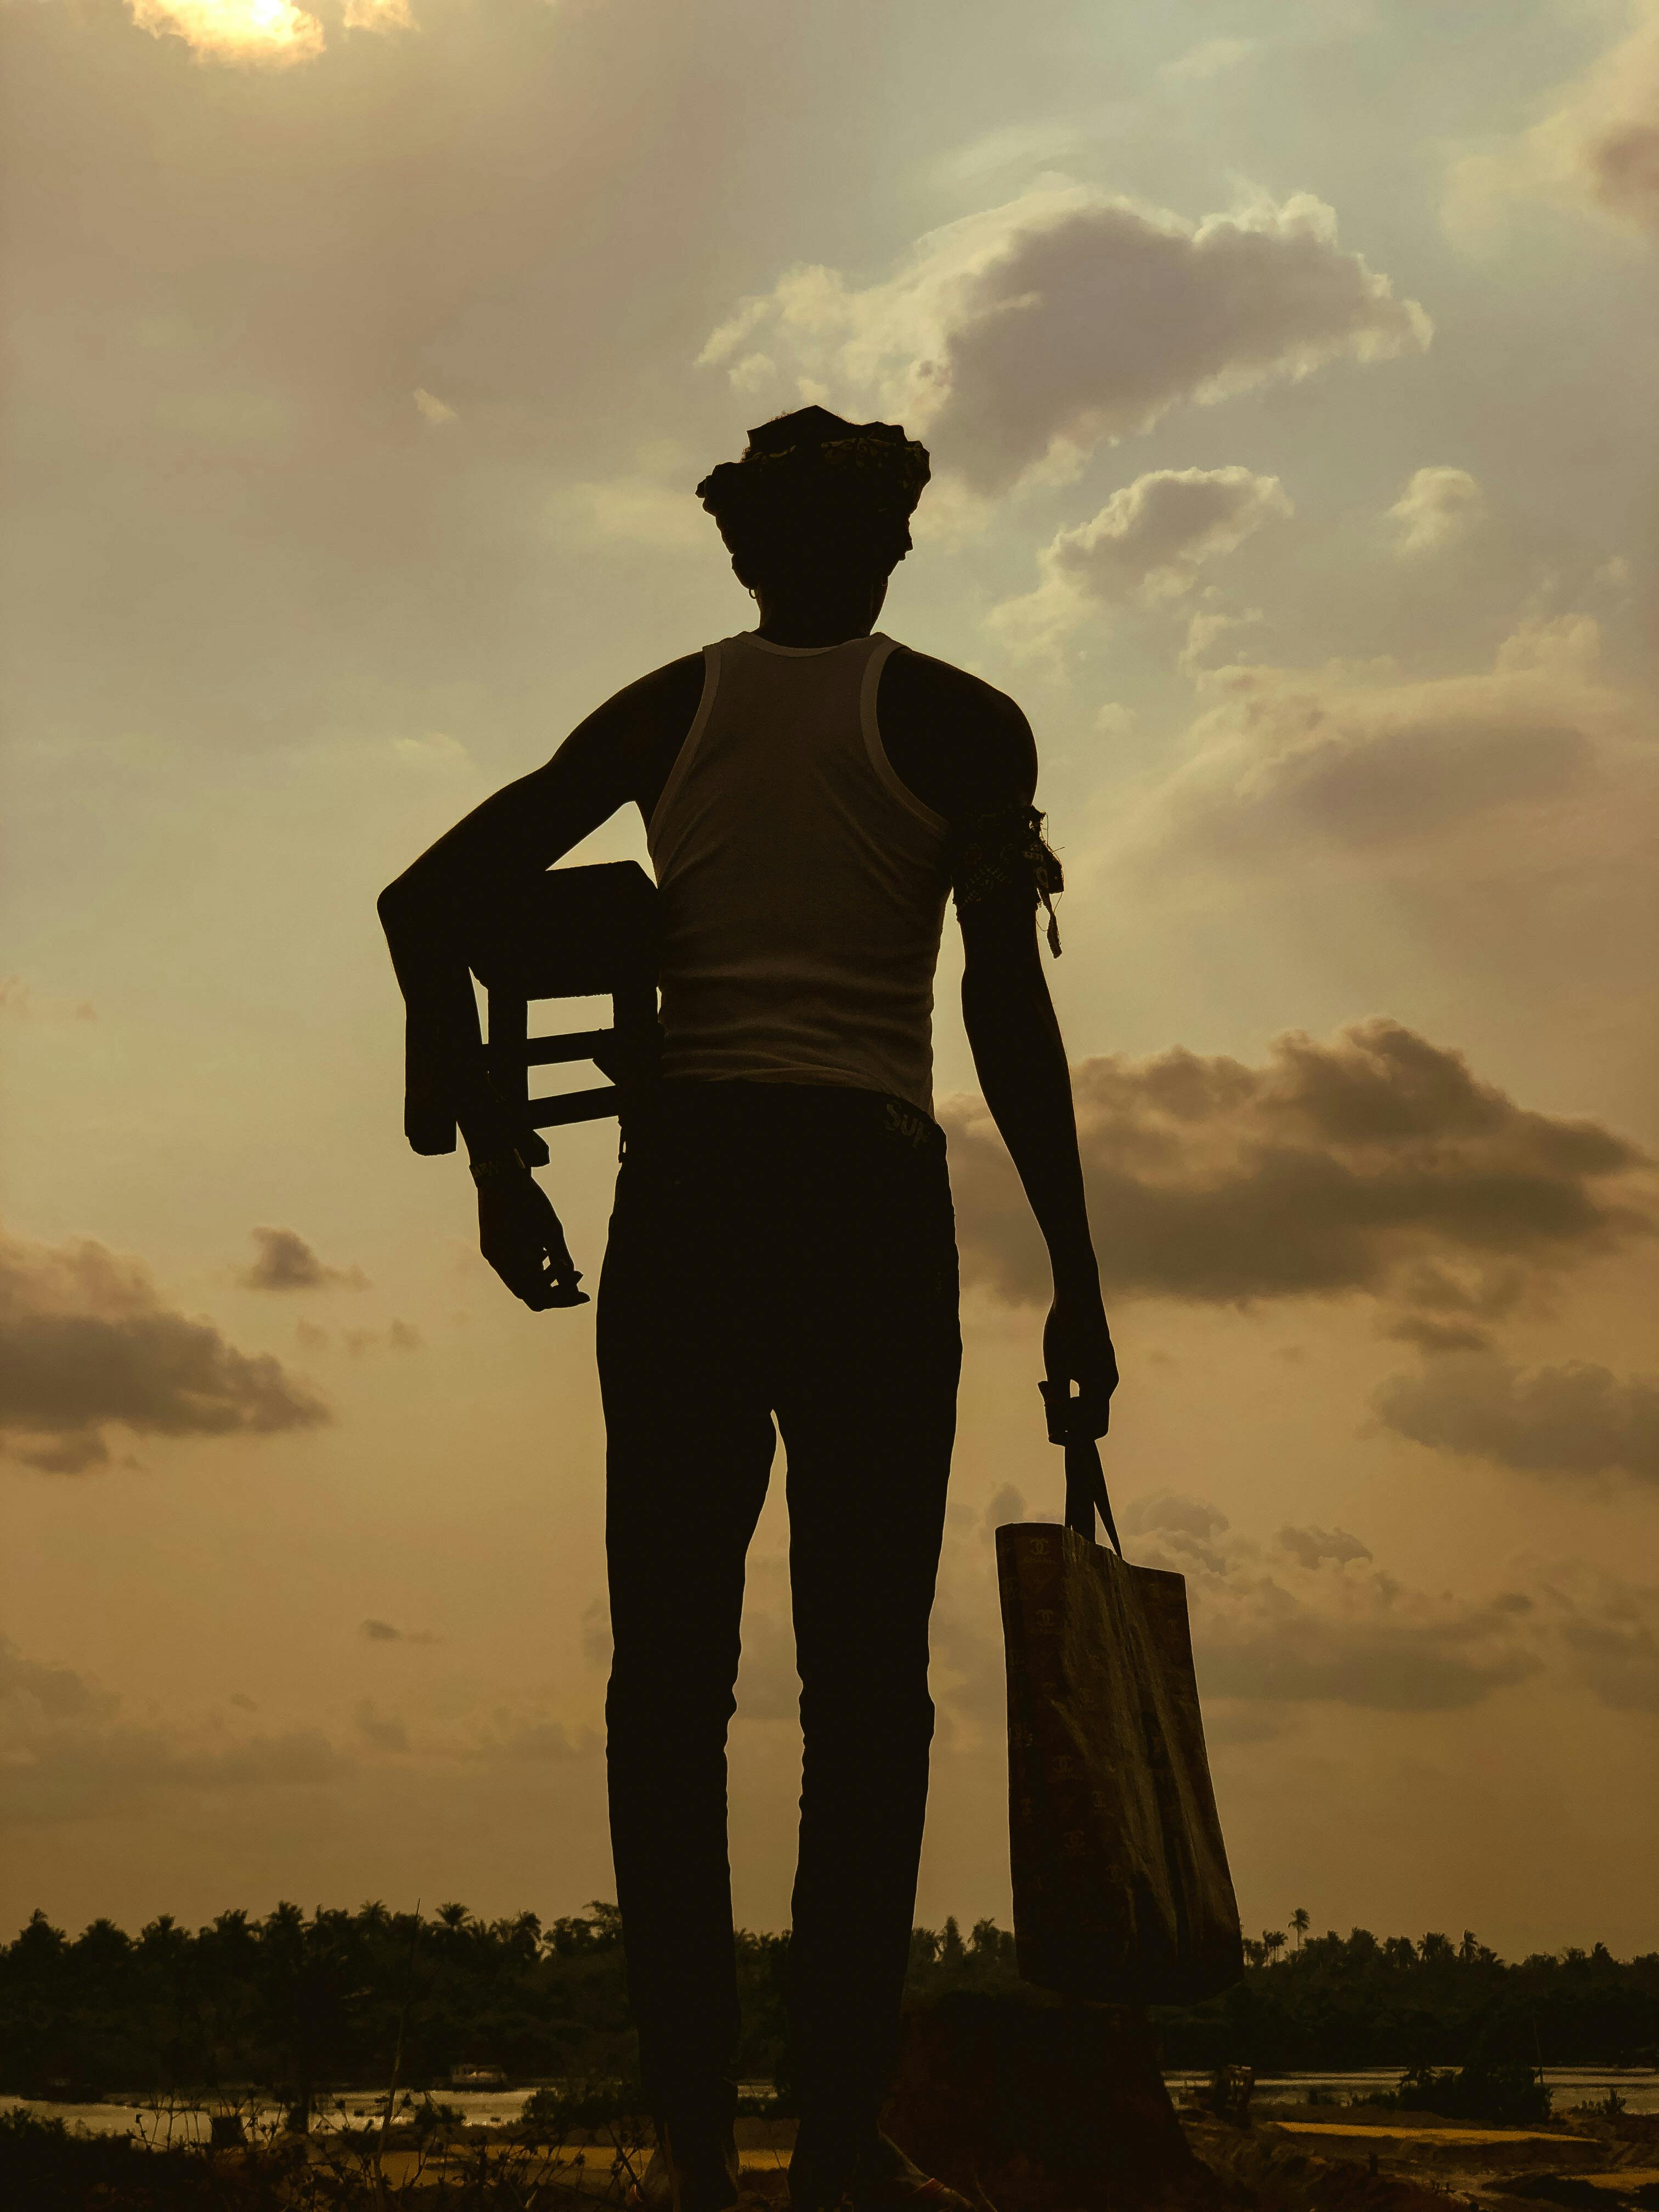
[(1349, 2159), (1354, 2160)]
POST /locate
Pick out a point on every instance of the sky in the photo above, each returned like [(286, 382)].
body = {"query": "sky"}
[(1287, 374)]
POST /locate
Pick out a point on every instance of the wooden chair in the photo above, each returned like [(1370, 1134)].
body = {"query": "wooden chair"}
[(578, 933)]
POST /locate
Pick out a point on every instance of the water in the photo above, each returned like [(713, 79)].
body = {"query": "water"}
[(1571, 2086), (500, 2108)]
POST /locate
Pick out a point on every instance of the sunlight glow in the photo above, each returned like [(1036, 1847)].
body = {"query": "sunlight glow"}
[(277, 32), (236, 30)]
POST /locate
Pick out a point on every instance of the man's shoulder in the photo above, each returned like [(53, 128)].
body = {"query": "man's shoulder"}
[(676, 685), (957, 740)]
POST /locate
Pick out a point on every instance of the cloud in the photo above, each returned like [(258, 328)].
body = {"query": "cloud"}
[(260, 32), (639, 510), (1205, 630), (1539, 753), (1310, 1622), (1596, 149), (1308, 1547), (428, 404), (1020, 338), (382, 1732), (539, 1740), (1146, 544), (1435, 1336), (240, 31), (1611, 1627), (67, 1753), (1339, 1167), (1437, 508), (1307, 1620), (437, 752), (1211, 57), (382, 1631), (287, 1262), (19, 1004), (1577, 1420), (86, 1342)]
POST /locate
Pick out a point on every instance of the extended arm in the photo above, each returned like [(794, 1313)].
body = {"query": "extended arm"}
[(969, 753), (1021, 1062)]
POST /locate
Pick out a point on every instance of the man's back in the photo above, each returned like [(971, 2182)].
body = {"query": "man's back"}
[(954, 741), (802, 883)]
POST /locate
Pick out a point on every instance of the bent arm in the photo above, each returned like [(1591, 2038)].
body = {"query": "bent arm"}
[(431, 912)]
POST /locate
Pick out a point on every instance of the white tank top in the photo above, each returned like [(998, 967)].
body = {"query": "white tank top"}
[(803, 887)]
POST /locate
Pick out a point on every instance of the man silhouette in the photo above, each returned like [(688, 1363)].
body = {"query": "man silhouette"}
[(782, 1245)]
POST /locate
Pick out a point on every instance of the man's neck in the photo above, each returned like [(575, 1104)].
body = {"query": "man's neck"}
[(803, 628), (829, 621)]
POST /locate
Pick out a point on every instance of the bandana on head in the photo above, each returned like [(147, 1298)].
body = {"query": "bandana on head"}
[(812, 454)]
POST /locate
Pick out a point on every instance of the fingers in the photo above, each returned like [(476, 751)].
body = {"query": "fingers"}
[(1087, 1414), (539, 1278)]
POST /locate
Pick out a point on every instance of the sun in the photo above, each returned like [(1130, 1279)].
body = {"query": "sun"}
[(258, 31)]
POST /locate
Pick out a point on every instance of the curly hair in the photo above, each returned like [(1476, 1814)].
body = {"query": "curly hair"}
[(816, 499)]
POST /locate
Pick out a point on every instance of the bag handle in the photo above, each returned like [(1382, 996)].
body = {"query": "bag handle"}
[(1085, 1479), (1086, 1492)]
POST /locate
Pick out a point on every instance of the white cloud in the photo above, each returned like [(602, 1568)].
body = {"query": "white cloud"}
[(437, 750), (245, 30), (1540, 750), (260, 32), (1147, 543), (639, 509), (427, 404), (1205, 630), (1597, 148), (1211, 57), (1020, 338), (1438, 507)]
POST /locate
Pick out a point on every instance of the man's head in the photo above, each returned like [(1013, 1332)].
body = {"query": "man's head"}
[(817, 507)]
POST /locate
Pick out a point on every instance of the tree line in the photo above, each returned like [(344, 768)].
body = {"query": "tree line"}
[(297, 2003)]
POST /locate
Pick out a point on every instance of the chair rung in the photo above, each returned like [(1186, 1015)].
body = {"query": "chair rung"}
[(574, 1106), (547, 1052)]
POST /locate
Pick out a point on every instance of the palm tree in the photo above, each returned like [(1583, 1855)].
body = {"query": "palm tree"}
[(1301, 1922), (1273, 1943)]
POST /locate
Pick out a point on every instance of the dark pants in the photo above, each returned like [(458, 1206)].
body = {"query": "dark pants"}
[(775, 1248)]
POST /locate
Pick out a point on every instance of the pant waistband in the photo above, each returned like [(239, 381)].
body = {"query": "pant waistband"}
[(762, 1109)]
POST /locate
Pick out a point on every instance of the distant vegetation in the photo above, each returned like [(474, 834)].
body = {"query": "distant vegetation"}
[(299, 2002), (1339, 2000)]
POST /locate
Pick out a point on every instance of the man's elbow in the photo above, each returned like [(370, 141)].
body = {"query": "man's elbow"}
[(999, 942), (397, 904)]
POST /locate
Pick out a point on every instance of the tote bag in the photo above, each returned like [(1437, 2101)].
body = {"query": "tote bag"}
[(1121, 1891)]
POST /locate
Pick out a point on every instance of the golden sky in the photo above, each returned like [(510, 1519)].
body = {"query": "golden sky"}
[(1288, 375)]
